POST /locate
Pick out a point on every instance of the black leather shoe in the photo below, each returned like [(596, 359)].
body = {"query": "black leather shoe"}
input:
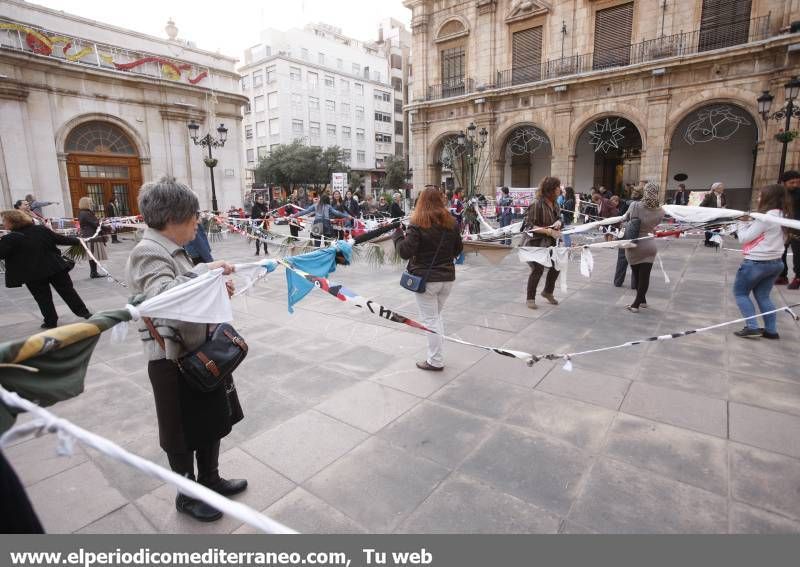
[(93, 276), (197, 509), (48, 326), (748, 332), (228, 487)]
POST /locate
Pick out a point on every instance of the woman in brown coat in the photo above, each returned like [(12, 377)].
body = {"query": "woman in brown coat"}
[(544, 220)]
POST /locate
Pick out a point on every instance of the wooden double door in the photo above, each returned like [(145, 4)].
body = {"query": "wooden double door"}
[(102, 176)]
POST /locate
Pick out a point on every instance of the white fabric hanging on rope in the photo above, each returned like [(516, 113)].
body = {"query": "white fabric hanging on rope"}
[(788, 223), (203, 299), (687, 213), (578, 228)]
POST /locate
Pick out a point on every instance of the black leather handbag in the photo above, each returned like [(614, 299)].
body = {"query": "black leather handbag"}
[(207, 367), (417, 283)]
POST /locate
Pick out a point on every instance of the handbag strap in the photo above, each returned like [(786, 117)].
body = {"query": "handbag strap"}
[(154, 332), (435, 255)]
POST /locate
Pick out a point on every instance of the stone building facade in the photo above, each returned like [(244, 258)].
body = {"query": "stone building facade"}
[(89, 109), (603, 92)]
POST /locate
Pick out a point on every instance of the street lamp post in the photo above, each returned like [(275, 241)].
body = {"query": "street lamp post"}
[(209, 141), (471, 149), (789, 111)]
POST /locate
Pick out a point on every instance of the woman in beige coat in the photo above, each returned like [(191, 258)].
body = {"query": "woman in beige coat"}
[(190, 422)]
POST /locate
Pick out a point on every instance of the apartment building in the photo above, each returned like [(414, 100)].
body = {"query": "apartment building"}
[(603, 92), (322, 88)]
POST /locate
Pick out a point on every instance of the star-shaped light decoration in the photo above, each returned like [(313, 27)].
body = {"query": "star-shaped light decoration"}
[(606, 135)]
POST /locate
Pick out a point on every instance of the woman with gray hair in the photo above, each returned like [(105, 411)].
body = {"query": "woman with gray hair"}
[(190, 422), (649, 213)]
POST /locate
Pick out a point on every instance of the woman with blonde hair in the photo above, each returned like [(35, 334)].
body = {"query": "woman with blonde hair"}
[(97, 244), (430, 244), (32, 258)]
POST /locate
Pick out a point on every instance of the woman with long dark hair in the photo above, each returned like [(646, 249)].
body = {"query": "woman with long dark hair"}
[(323, 211), (544, 219), (430, 244), (641, 258), (762, 244), (97, 242)]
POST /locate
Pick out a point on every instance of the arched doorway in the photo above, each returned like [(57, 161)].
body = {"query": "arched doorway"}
[(608, 153), (102, 161), (528, 155), (716, 142)]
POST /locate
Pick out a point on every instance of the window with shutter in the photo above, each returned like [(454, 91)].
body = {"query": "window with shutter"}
[(526, 50), (452, 71), (612, 36), (724, 23)]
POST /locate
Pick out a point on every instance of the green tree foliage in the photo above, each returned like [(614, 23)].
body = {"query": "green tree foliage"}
[(295, 164), (395, 168)]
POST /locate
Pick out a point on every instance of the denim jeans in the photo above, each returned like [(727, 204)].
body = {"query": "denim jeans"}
[(757, 277)]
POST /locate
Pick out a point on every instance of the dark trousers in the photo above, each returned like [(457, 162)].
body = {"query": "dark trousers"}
[(61, 282), (207, 463), (18, 515), (622, 268), (92, 268), (642, 274), (536, 274), (794, 244), (258, 247)]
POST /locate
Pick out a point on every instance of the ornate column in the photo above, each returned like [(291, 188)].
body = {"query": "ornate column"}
[(484, 34), (561, 166), (654, 156)]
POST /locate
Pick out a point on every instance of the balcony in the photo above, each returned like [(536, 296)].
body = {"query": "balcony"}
[(454, 87), (677, 45)]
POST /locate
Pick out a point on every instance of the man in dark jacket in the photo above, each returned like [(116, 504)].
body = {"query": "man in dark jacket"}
[(32, 259), (112, 211), (543, 219), (714, 199), (396, 210), (259, 215), (791, 180), (681, 195)]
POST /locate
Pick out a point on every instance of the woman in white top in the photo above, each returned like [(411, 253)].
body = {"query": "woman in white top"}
[(762, 245)]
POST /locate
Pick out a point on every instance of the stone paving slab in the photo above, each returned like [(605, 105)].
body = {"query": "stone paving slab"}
[(343, 434)]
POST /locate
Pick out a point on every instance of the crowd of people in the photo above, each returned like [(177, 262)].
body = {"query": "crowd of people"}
[(173, 249)]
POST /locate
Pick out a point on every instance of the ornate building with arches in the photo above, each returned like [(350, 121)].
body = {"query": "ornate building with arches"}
[(604, 92), (89, 109)]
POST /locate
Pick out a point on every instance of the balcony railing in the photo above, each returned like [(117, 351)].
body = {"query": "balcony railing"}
[(681, 44), (454, 87)]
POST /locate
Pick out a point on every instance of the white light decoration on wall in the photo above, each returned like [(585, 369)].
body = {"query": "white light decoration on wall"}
[(526, 140), (606, 135), (715, 123)]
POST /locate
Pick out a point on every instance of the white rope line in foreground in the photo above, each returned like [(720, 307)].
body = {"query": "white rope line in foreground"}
[(68, 432), (567, 357)]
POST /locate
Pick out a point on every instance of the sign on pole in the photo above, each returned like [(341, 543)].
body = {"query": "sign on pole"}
[(339, 182)]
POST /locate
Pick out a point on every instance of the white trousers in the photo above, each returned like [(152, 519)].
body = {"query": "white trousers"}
[(430, 305)]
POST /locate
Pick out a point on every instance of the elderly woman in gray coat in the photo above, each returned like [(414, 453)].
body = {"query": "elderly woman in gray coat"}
[(190, 422), (641, 258)]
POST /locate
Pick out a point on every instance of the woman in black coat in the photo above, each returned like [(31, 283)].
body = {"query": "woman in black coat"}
[(32, 258), (431, 244), (97, 244)]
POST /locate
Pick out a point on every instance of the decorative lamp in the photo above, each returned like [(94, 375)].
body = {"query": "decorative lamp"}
[(484, 133), (194, 128), (462, 139), (223, 133), (764, 104), (792, 88)]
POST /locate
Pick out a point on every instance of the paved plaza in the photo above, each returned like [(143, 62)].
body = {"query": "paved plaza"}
[(343, 434)]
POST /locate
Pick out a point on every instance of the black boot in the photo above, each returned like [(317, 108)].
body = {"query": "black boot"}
[(208, 473), (93, 270), (183, 464), (197, 509)]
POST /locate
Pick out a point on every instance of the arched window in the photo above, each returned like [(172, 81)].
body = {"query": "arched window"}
[(98, 137)]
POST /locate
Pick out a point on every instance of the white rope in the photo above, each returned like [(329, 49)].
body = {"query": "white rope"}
[(68, 432)]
